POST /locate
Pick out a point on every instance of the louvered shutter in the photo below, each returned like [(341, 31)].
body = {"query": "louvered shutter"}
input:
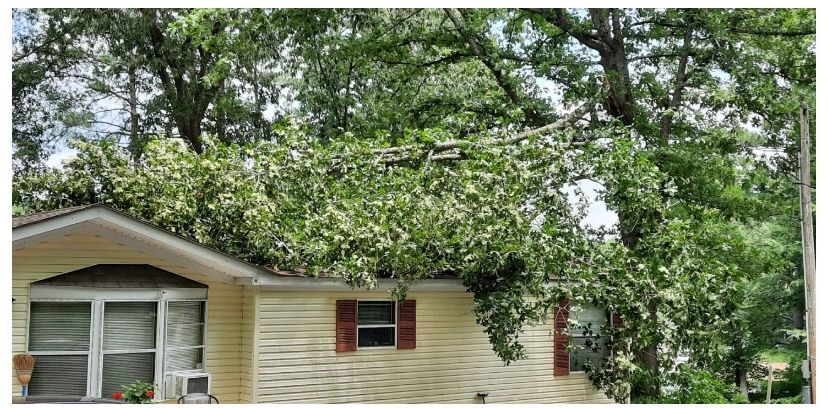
[(618, 345), (617, 321), (407, 325), (561, 363), (346, 325)]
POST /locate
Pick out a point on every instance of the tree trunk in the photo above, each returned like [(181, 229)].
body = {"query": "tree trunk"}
[(649, 353), (741, 381), (135, 144), (192, 133)]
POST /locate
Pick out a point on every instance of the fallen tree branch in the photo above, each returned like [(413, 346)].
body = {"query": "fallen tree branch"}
[(400, 154)]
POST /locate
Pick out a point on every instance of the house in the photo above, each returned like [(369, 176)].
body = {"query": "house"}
[(101, 299)]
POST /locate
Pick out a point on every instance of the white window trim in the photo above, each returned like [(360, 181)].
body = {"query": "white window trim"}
[(89, 352), (97, 297), (98, 377), (369, 326), (53, 293), (203, 346)]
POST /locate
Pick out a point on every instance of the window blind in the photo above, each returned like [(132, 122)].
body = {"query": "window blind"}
[(128, 328), (59, 375), (588, 346), (122, 369), (59, 327), (129, 325)]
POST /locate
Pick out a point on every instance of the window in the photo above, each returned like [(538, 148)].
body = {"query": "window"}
[(129, 331), (376, 324), (92, 348), (185, 336), (587, 343), (59, 334)]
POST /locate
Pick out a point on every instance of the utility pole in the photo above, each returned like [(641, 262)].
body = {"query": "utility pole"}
[(808, 254)]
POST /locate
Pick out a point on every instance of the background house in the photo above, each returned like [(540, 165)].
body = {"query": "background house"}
[(102, 299)]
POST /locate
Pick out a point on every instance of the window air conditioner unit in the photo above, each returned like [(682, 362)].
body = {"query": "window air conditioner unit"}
[(179, 384)]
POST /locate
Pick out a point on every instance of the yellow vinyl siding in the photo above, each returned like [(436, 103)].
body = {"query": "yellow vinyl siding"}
[(248, 351), (78, 250), (297, 361)]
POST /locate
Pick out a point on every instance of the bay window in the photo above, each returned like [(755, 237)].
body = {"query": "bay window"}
[(92, 347)]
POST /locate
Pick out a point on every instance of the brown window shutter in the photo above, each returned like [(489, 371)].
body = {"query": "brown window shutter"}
[(407, 325), (617, 321), (346, 319), (561, 340)]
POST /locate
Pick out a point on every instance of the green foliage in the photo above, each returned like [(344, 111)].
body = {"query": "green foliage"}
[(796, 399), (138, 392), (787, 384), (337, 210), (692, 386)]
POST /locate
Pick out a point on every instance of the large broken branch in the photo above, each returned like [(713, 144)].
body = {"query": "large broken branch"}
[(438, 152)]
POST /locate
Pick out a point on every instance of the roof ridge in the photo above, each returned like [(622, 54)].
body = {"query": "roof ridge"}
[(67, 209)]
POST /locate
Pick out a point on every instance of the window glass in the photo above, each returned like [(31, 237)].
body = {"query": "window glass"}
[(587, 342), (370, 313), (376, 324), (59, 375), (60, 339), (60, 329), (126, 368), (185, 336), (129, 331), (129, 325), (184, 359), (376, 336), (59, 326)]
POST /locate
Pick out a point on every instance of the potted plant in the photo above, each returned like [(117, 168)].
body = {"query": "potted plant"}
[(138, 392)]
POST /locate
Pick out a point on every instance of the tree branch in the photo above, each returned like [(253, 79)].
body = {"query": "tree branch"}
[(559, 18), (399, 154), (502, 79), (679, 82)]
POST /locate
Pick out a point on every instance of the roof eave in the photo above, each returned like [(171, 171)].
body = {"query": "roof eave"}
[(103, 220)]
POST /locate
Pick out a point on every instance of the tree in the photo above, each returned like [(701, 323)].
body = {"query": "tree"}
[(136, 73), (422, 143)]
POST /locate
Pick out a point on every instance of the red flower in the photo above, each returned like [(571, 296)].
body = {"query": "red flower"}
[(150, 393), (117, 395)]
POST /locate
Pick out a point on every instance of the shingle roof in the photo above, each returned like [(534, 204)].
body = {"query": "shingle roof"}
[(22, 220), (30, 219), (121, 276)]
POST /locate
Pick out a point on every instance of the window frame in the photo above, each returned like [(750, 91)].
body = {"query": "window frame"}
[(97, 297), (157, 351), (89, 352), (572, 335), (203, 345), (369, 326)]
